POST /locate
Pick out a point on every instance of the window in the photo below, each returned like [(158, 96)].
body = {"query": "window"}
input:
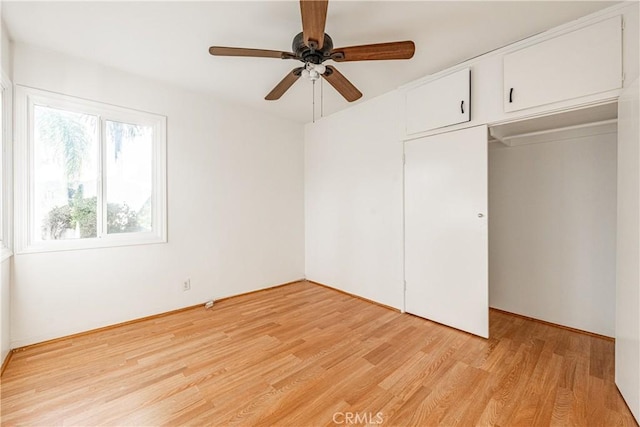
[(5, 166), (93, 175)]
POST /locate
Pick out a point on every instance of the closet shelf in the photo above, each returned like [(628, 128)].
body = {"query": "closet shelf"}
[(593, 120)]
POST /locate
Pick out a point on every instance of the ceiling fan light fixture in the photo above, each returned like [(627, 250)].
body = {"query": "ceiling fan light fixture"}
[(313, 71)]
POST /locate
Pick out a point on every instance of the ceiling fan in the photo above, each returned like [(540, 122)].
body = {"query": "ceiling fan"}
[(313, 46)]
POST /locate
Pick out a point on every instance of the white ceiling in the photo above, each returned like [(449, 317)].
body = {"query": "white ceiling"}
[(169, 41)]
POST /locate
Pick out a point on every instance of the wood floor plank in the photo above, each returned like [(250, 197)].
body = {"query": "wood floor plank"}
[(307, 355)]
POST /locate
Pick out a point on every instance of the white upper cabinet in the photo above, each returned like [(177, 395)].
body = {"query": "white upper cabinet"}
[(438, 103), (583, 62)]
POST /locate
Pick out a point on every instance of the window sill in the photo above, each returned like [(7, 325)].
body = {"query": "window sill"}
[(85, 244)]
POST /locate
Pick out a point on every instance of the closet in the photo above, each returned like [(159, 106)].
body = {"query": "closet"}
[(531, 204), (552, 204)]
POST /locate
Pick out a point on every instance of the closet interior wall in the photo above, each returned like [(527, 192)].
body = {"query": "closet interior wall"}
[(552, 230)]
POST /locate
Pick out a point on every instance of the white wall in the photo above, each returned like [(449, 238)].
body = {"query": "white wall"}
[(552, 231), (631, 43), (5, 49), (353, 201), (235, 210), (5, 266), (627, 349)]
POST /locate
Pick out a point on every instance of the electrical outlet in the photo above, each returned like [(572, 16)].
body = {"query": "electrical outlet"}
[(186, 285)]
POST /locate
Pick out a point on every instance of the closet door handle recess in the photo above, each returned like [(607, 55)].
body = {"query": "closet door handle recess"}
[(462, 106), (510, 95)]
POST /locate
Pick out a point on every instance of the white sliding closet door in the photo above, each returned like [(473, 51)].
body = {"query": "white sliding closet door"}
[(627, 253), (446, 233)]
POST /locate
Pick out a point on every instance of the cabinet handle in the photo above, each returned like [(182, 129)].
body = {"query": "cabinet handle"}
[(462, 106), (510, 95)]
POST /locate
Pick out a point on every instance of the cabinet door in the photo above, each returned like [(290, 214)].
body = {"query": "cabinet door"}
[(583, 62), (446, 232), (439, 103), (627, 252)]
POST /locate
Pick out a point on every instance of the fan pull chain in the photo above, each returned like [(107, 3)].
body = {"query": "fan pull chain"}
[(321, 98), (313, 102)]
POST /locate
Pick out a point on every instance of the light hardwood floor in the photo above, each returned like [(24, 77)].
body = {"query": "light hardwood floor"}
[(306, 355)]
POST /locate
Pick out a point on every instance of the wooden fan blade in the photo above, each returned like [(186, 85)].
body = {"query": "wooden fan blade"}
[(341, 84), (314, 17), (240, 51), (371, 52), (284, 84)]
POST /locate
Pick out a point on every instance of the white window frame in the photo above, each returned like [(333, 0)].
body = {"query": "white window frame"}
[(6, 171), (25, 100)]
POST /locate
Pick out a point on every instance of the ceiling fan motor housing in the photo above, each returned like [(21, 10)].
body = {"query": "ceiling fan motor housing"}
[(311, 54)]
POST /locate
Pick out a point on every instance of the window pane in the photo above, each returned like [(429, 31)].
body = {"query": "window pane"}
[(129, 162), (65, 174)]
